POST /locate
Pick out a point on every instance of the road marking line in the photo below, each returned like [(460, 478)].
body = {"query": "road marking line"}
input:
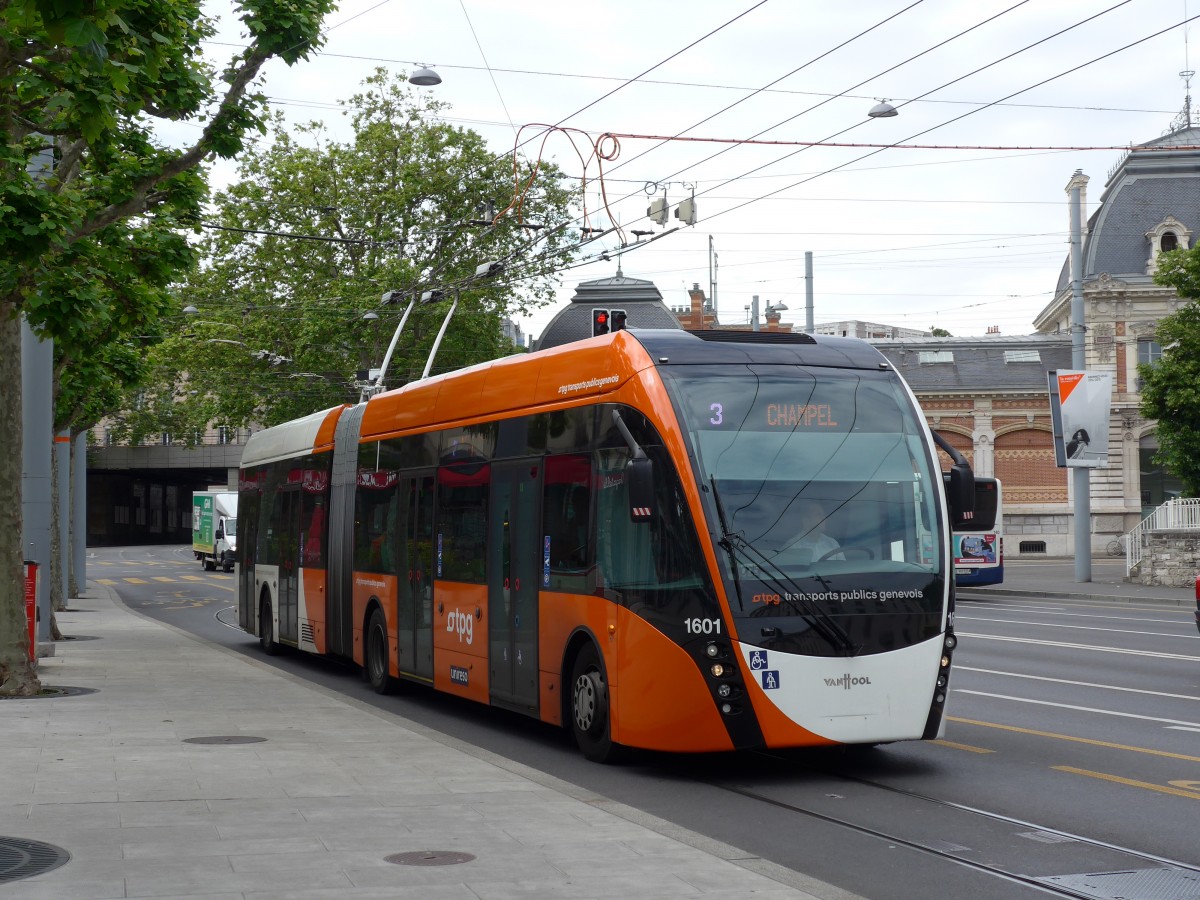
[(165, 578), (193, 578), (966, 747), (1145, 785), (1190, 637), (108, 581), (1077, 740), (1182, 728), (137, 581), (1091, 709), (1016, 640), (1058, 612), (1106, 687)]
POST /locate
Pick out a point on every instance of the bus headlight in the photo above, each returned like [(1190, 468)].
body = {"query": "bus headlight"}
[(717, 670)]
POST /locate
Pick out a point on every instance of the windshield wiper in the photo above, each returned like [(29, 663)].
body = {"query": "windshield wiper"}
[(783, 584), (812, 613)]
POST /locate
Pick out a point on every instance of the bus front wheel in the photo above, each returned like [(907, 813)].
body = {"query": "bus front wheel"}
[(590, 707)]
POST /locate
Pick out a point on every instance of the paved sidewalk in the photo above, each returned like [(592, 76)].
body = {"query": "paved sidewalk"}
[(313, 810), (1056, 577)]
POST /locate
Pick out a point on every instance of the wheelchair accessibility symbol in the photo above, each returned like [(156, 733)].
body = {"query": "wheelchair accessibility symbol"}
[(758, 660)]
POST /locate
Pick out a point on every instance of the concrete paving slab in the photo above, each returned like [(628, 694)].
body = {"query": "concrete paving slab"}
[(315, 809)]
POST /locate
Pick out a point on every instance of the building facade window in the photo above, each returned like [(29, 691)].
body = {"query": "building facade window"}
[(1149, 351), (1169, 234)]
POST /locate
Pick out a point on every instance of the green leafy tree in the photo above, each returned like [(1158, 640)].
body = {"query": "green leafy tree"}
[(1171, 384), (313, 235), (91, 203), (939, 332)]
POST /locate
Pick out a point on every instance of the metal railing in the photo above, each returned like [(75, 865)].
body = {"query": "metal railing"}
[(1180, 514)]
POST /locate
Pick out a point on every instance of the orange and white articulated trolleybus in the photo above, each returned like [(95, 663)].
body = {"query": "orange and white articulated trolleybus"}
[(657, 539)]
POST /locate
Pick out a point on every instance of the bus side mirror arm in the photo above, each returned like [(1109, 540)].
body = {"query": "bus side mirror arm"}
[(960, 493), (639, 475)]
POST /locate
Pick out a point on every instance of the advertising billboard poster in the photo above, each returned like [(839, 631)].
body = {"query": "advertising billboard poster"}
[(1080, 403), (976, 549)]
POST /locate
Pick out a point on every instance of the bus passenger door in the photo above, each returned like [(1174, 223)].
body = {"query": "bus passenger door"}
[(514, 565), (289, 564), (415, 575)]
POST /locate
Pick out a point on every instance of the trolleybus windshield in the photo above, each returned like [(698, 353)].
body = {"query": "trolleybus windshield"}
[(825, 500)]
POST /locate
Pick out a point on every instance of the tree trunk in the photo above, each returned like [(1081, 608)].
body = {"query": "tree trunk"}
[(18, 676)]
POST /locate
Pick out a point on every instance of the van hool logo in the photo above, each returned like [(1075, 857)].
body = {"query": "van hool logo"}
[(846, 681)]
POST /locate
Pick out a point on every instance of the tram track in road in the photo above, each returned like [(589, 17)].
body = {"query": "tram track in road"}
[(1106, 861)]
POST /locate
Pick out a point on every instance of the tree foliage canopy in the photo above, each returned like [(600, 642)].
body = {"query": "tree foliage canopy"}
[(93, 207), (312, 236), (1171, 384)]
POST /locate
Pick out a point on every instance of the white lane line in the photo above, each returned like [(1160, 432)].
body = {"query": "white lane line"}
[(1017, 640), (1024, 607), (1102, 712), (1076, 615), (1189, 637), (1183, 728), (1089, 684)]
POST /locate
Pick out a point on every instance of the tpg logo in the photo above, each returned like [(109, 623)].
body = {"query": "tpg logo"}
[(462, 624)]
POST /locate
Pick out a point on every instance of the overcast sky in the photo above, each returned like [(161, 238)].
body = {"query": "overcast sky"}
[(962, 239)]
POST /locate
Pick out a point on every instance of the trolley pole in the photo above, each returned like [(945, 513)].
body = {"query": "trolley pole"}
[(1080, 476)]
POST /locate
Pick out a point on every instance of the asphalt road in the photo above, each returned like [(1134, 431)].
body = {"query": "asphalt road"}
[(1074, 738)]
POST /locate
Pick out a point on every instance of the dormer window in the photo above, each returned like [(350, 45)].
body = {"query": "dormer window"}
[(1169, 234)]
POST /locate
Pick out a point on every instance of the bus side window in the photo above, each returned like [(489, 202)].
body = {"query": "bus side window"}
[(566, 519), (462, 522)]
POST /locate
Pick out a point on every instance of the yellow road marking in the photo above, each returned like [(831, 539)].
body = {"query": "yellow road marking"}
[(164, 578), (137, 581), (1077, 740), (966, 747), (1145, 785), (108, 581), (1186, 785), (193, 578)]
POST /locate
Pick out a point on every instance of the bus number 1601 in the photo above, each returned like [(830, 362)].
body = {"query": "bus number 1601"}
[(703, 626)]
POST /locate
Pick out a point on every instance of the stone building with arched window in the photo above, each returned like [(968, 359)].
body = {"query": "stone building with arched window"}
[(1150, 204)]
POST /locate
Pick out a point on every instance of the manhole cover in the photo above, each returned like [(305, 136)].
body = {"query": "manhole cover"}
[(226, 739), (49, 691), (20, 858), (429, 858)]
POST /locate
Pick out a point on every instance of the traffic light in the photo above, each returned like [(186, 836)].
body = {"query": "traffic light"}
[(657, 212), (600, 322), (617, 319)]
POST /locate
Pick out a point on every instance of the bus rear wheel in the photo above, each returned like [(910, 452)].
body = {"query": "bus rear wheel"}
[(590, 718), (376, 653), (266, 636)]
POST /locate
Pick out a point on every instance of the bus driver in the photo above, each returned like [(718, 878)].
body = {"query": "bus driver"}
[(811, 544)]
